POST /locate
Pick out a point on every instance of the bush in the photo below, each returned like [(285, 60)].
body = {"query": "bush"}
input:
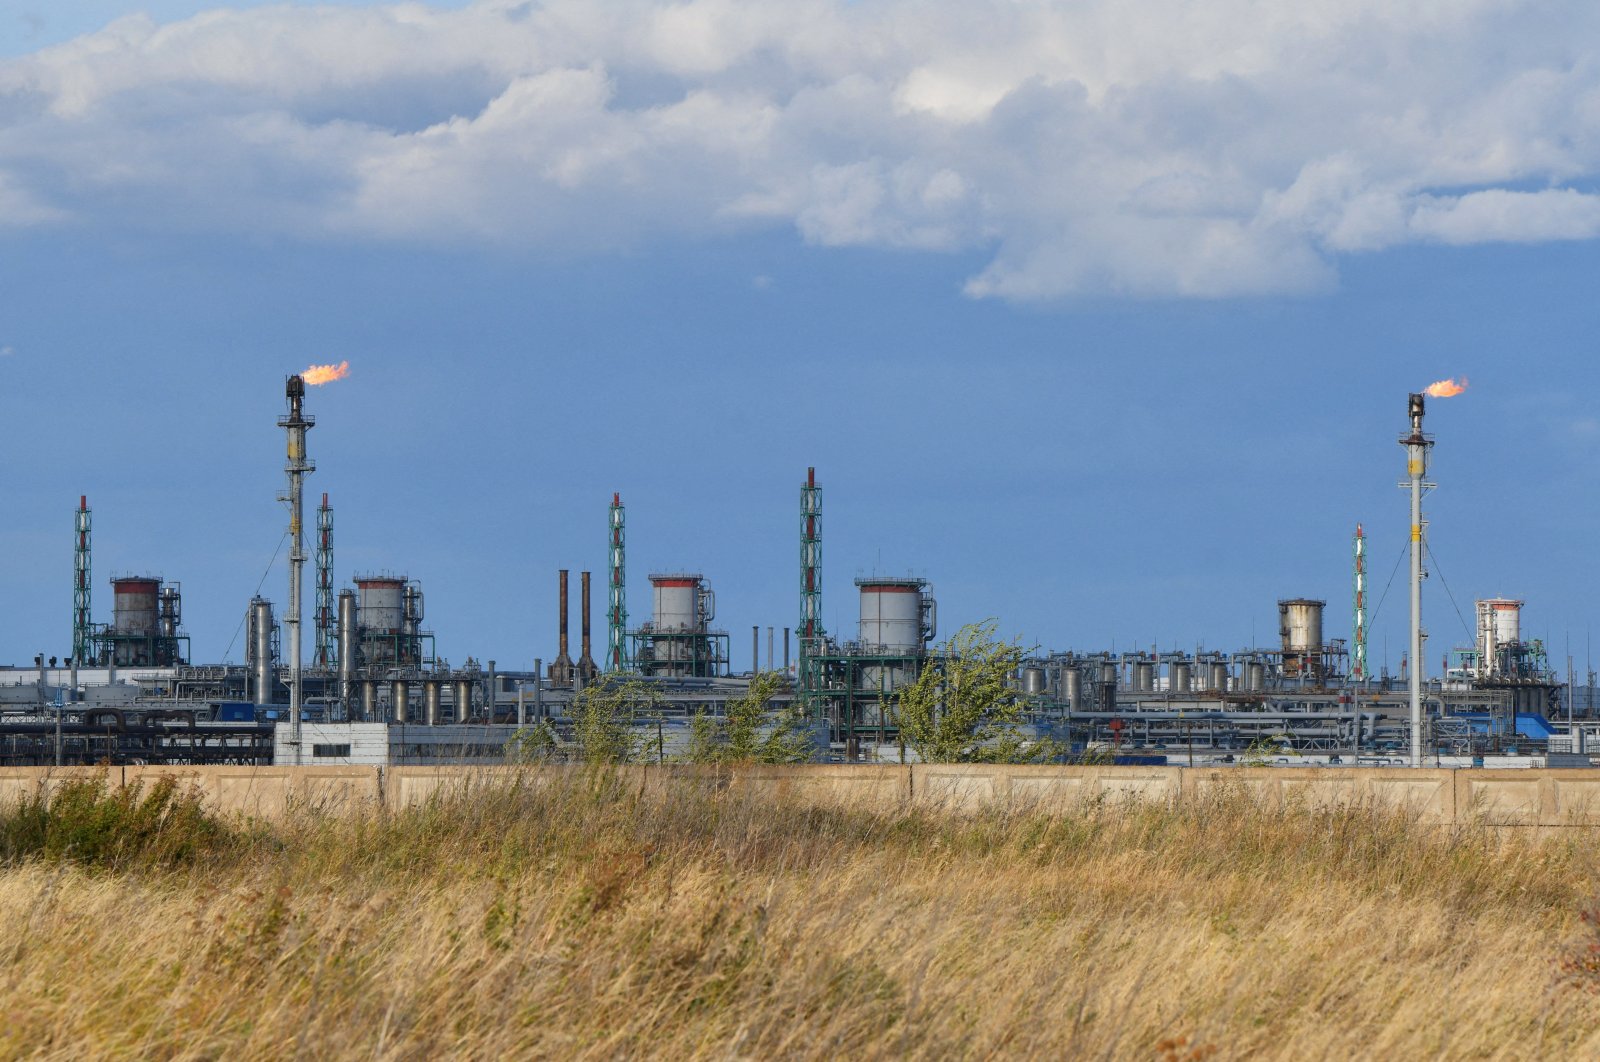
[(88, 822)]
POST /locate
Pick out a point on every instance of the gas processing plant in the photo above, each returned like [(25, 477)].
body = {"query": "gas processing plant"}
[(373, 690)]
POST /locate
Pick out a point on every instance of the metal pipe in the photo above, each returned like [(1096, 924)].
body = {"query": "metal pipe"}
[(491, 696), (786, 650), (538, 689), (769, 648), (755, 649)]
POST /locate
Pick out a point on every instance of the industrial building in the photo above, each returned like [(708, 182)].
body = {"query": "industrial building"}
[(376, 691)]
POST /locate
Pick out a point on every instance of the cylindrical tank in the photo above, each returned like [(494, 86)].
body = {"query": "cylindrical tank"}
[(432, 702), (400, 700), (1072, 688), (1033, 680), (1182, 678), (258, 649), (677, 602), (463, 699), (1144, 676), (135, 605), (1255, 675), (348, 641), (1300, 628), (369, 700), (383, 604), (891, 614), (1219, 677)]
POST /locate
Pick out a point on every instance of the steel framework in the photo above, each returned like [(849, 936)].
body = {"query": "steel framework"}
[(327, 651), (1358, 653), (812, 635), (82, 617), (617, 655)]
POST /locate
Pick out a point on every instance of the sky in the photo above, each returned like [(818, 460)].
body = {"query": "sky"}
[(1100, 317)]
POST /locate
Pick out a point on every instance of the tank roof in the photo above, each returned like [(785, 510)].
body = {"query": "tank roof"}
[(888, 582)]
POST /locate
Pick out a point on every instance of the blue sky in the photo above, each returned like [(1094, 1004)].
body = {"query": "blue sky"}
[(1114, 352)]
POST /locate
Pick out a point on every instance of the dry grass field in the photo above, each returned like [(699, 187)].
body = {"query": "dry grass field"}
[(579, 919)]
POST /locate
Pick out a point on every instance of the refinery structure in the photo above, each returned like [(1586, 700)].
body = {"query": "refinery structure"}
[(365, 684)]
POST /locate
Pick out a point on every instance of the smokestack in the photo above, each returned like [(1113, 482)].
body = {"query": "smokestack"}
[(561, 667), (586, 667), (295, 424)]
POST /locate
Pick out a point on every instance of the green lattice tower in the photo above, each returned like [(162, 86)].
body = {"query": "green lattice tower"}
[(811, 631), (617, 612), (82, 617), (327, 635)]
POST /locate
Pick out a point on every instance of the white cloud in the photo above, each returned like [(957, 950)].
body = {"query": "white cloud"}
[(6, 352), (1163, 148)]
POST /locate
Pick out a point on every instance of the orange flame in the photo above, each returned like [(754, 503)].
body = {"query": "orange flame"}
[(321, 374), (1447, 388)]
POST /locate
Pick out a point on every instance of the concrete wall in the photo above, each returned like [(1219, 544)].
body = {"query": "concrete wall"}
[(1538, 798)]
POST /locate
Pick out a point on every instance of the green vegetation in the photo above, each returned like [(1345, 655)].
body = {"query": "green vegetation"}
[(963, 705), (86, 821), (750, 730)]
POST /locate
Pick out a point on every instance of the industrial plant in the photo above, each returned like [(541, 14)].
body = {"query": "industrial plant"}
[(375, 691)]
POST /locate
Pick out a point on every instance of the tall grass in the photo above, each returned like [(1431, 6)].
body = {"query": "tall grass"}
[(581, 917)]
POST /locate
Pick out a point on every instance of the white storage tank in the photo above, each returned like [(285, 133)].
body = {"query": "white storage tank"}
[(677, 605), (381, 606), (135, 605), (895, 615)]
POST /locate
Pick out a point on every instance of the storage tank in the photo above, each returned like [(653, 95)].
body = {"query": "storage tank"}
[(1300, 627), (677, 605), (1033, 680), (1182, 679), (382, 607), (1499, 625), (136, 605), (894, 615), (1144, 676), (400, 701), (258, 650), (1072, 688), (1255, 676)]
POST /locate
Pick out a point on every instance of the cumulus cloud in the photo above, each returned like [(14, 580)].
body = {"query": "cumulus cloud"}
[(1165, 148)]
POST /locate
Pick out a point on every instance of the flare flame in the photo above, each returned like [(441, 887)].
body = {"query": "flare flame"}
[(321, 374), (1446, 388)]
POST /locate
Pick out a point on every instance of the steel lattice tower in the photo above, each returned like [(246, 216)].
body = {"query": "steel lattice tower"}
[(617, 613), (82, 618), (811, 632), (1358, 657), (327, 651)]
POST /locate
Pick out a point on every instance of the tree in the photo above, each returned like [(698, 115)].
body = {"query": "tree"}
[(751, 730), (606, 718), (963, 705)]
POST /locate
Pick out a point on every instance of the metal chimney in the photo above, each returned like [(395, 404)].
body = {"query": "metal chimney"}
[(561, 667), (586, 665)]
